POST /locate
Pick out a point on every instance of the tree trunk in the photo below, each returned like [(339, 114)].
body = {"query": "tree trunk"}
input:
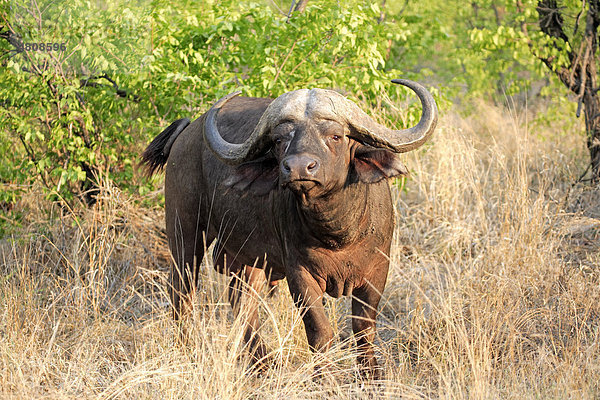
[(590, 94), (580, 76), (592, 127)]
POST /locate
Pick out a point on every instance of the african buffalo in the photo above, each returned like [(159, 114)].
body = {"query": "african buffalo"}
[(296, 188)]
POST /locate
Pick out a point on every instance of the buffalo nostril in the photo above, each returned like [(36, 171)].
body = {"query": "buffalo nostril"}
[(299, 166)]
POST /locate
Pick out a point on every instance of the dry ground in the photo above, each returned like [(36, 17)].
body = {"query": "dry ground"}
[(494, 289)]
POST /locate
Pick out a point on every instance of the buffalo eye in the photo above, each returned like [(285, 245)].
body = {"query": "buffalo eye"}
[(336, 138)]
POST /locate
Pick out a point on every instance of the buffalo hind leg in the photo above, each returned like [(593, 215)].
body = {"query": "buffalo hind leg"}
[(244, 287), (365, 300), (187, 241), (184, 277), (187, 257)]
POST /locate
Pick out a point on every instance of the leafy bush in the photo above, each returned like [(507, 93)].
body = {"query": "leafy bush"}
[(128, 70), (64, 114)]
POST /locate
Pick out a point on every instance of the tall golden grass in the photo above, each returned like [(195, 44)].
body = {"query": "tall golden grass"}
[(493, 292)]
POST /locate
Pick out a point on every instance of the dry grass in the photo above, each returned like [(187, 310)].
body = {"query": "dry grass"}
[(494, 290)]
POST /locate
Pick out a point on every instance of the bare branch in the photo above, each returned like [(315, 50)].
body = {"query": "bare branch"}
[(301, 5), (579, 17)]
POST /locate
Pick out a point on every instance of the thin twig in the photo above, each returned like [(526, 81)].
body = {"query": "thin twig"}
[(290, 12), (33, 159), (579, 18), (327, 38), (278, 8), (287, 56)]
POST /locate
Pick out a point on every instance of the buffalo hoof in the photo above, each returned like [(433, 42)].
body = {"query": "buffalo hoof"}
[(375, 373), (260, 366)]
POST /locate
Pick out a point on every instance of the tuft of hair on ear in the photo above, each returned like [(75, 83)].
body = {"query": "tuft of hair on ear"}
[(258, 177), (373, 164)]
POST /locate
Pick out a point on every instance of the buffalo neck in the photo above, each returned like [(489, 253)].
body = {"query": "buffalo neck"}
[(336, 219)]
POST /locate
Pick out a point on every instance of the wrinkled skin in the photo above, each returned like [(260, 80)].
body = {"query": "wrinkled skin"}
[(316, 209)]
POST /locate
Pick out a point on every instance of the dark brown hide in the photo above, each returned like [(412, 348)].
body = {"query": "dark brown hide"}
[(314, 206)]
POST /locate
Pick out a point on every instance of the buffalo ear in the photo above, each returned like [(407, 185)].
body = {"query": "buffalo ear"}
[(372, 164), (258, 177)]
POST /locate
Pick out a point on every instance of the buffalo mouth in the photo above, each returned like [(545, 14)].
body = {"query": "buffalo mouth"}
[(301, 185)]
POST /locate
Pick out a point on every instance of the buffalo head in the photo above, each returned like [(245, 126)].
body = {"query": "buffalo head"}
[(316, 141)]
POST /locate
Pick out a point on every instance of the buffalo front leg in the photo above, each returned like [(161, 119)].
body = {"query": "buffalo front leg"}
[(244, 288), (365, 300), (308, 297)]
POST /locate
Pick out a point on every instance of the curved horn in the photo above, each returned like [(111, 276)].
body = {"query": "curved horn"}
[(229, 153), (398, 141), (322, 103)]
